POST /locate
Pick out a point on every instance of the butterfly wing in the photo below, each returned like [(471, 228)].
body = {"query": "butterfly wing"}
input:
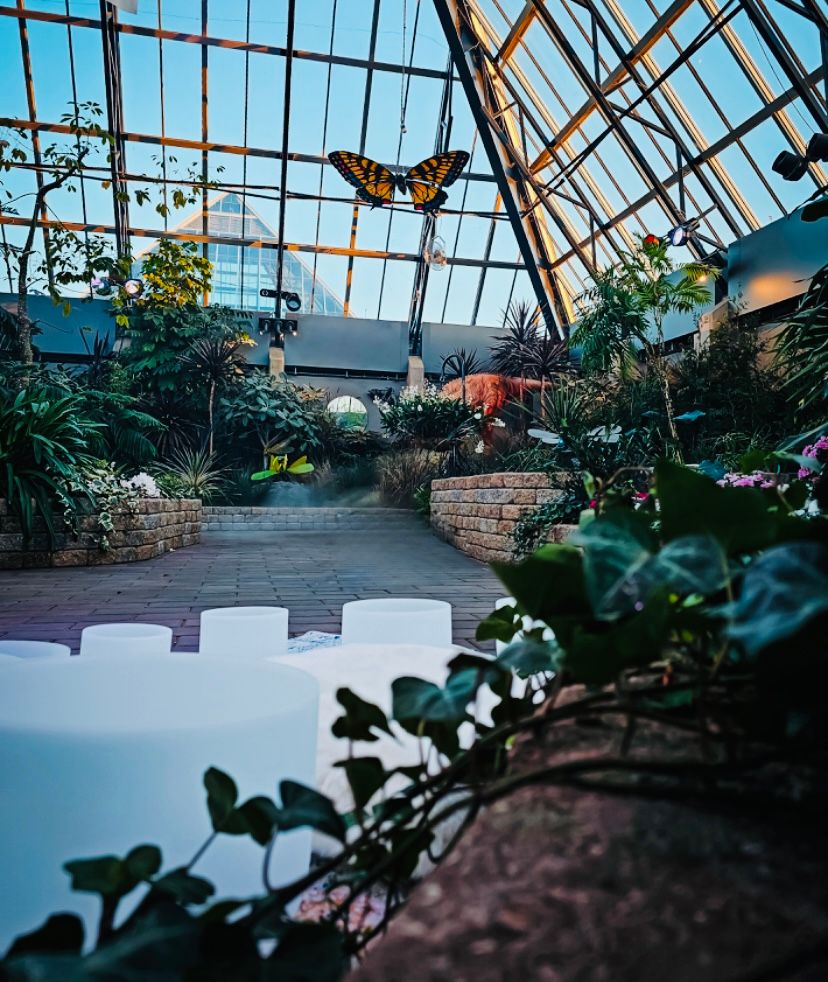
[(442, 170), (426, 197), (374, 183)]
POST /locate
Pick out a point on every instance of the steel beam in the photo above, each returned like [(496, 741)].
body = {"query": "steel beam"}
[(251, 243), (205, 164), (366, 109), (291, 25), (468, 64), (768, 33), (615, 79), (230, 148), (215, 42), (712, 151), (516, 32), (115, 125), (28, 77)]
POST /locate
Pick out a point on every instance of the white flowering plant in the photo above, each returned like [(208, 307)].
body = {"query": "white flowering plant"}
[(422, 416), (142, 483)]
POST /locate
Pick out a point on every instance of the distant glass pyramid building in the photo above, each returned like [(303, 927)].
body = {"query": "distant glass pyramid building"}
[(240, 272)]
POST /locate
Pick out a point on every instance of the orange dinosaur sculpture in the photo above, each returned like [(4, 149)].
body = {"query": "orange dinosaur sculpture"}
[(489, 390)]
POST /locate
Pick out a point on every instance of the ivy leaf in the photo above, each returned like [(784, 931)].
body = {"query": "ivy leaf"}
[(417, 700), (548, 584), (61, 933), (501, 625), (616, 546), (185, 888), (528, 658), (783, 590), (104, 875), (302, 945), (366, 775), (143, 862), (222, 795), (361, 718), (259, 816), (304, 807)]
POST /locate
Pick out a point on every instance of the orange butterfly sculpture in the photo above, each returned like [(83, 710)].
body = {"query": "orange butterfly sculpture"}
[(424, 182)]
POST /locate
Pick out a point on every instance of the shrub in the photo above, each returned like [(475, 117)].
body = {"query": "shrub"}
[(402, 474), (43, 445), (259, 410), (192, 474), (421, 417)]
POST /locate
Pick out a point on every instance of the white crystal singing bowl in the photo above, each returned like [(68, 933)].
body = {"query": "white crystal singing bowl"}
[(254, 632), (103, 754), (397, 620)]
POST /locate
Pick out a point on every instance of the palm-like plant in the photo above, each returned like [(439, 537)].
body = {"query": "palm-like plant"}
[(803, 347), (511, 350), (627, 307), (217, 360), (43, 444), (546, 359), (195, 473), (460, 364)]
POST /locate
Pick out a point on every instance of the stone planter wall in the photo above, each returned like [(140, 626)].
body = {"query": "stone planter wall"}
[(477, 514), (156, 526)]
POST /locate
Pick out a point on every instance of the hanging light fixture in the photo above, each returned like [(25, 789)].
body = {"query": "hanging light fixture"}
[(435, 253)]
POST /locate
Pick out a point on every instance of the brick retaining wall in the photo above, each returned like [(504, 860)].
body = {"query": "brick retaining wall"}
[(156, 526), (477, 514)]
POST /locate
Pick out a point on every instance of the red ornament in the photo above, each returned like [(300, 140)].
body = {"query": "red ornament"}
[(651, 240)]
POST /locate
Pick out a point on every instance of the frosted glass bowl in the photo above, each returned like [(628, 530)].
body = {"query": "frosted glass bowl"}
[(397, 620), (103, 754), (34, 649), (126, 639), (253, 632)]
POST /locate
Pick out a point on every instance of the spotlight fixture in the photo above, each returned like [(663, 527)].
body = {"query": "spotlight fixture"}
[(293, 301), (682, 233), (133, 288), (293, 328), (818, 148), (791, 166)]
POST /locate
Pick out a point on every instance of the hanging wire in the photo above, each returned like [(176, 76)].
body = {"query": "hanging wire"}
[(459, 224), (404, 90), (403, 87), (163, 113), (244, 158), (321, 167), (77, 138)]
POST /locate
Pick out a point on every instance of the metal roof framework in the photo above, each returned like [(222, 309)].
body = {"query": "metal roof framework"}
[(591, 121)]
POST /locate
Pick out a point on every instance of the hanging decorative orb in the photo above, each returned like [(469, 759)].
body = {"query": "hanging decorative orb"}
[(435, 253)]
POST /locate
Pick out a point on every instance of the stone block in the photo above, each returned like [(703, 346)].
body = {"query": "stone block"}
[(545, 495), (525, 480), (70, 557)]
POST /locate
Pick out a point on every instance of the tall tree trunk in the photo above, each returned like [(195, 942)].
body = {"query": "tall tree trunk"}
[(661, 368), (210, 401)]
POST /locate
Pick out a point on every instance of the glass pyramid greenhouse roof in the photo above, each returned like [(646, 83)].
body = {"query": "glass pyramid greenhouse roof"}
[(588, 122)]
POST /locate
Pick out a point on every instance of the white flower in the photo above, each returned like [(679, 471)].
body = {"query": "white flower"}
[(479, 448), (420, 408), (143, 484), (478, 415), (498, 423)]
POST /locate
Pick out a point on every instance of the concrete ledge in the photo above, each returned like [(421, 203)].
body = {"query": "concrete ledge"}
[(153, 527), (253, 519)]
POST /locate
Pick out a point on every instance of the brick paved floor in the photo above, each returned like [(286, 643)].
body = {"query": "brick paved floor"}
[(312, 573)]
